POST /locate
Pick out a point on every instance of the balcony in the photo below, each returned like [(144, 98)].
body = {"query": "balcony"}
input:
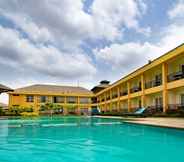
[(155, 109), (176, 106), (123, 93), (114, 96), (94, 100), (153, 83), (135, 89), (175, 76), (72, 102), (108, 98)]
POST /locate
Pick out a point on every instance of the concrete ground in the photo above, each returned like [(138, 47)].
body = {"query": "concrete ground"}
[(154, 121)]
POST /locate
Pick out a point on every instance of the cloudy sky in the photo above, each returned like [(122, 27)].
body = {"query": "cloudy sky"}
[(71, 42)]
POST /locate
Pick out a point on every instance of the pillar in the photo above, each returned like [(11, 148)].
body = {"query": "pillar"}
[(143, 94), (129, 103), (65, 111), (165, 92), (78, 106), (118, 102), (110, 99)]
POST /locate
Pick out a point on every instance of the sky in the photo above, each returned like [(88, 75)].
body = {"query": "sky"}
[(81, 42)]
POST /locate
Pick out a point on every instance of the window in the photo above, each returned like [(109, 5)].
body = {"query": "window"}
[(158, 77), (43, 99), (182, 68), (84, 100), (182, 99), (140, 103), (158, 102), (71, 99), (58, 99), (29, 98)]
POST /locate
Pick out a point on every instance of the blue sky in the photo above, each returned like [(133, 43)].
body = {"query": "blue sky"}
[(83, 41)]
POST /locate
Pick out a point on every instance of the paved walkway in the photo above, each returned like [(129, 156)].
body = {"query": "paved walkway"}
[(163, 122), (156, 121)]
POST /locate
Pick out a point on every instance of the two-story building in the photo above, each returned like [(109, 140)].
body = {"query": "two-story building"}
[(158, 85), (71, 99)]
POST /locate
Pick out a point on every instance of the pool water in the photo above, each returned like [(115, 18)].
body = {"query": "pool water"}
[(80, 139)]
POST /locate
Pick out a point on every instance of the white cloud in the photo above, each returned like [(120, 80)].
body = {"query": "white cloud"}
[(111, 17), (66, 20), (127, 56), (177, 11), (22, 54), (124, 57)]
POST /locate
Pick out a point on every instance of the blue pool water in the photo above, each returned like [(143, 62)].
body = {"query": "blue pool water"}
[(75, 139)]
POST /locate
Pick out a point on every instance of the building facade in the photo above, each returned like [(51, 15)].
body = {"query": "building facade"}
[(158, 85), (74, 100)]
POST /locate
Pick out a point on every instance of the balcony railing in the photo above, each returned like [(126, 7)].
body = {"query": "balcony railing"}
[(135, 89), (123, 93), (155, 108), (176, 106), (114, 96), (72, 102), (108, 98), (175, 76), (153, 83)]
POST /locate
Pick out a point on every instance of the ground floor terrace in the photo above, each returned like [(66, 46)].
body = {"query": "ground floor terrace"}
[(158, 101)]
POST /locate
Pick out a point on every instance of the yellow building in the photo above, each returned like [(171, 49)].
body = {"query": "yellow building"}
[(71, 99), (158, 85)]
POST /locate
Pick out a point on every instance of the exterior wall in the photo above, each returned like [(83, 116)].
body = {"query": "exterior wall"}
[(20, 100), (174, 64), (150, 74), (150, 99), (174, 96), (124, 105), (135, 103)]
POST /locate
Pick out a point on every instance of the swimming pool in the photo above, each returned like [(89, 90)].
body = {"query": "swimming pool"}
[(80, 139)]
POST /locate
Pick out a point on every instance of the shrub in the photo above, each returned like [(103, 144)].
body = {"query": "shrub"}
[(17, 110), (1, 111), (29, 114)]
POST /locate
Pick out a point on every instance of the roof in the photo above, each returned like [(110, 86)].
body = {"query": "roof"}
[(4, 88), (52, 89), (103, 84)]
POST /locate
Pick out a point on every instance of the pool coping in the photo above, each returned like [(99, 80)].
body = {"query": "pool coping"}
[(150, 121)]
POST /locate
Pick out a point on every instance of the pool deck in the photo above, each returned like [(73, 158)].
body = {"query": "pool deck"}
[(156, 121)]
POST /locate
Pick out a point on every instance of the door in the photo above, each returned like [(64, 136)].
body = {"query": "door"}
[(182, 99), (182, 69), (140, 104), (158, 102)]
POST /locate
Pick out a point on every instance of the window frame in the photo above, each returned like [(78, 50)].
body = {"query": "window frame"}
[(29, 98)]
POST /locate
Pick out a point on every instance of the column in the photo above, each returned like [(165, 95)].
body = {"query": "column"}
[(65, 111), (143, 94), (110, 99), (118, 102), (89, 106), (129, 103), (105, 98), (164, 80), (78, 106), (36, 108)]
